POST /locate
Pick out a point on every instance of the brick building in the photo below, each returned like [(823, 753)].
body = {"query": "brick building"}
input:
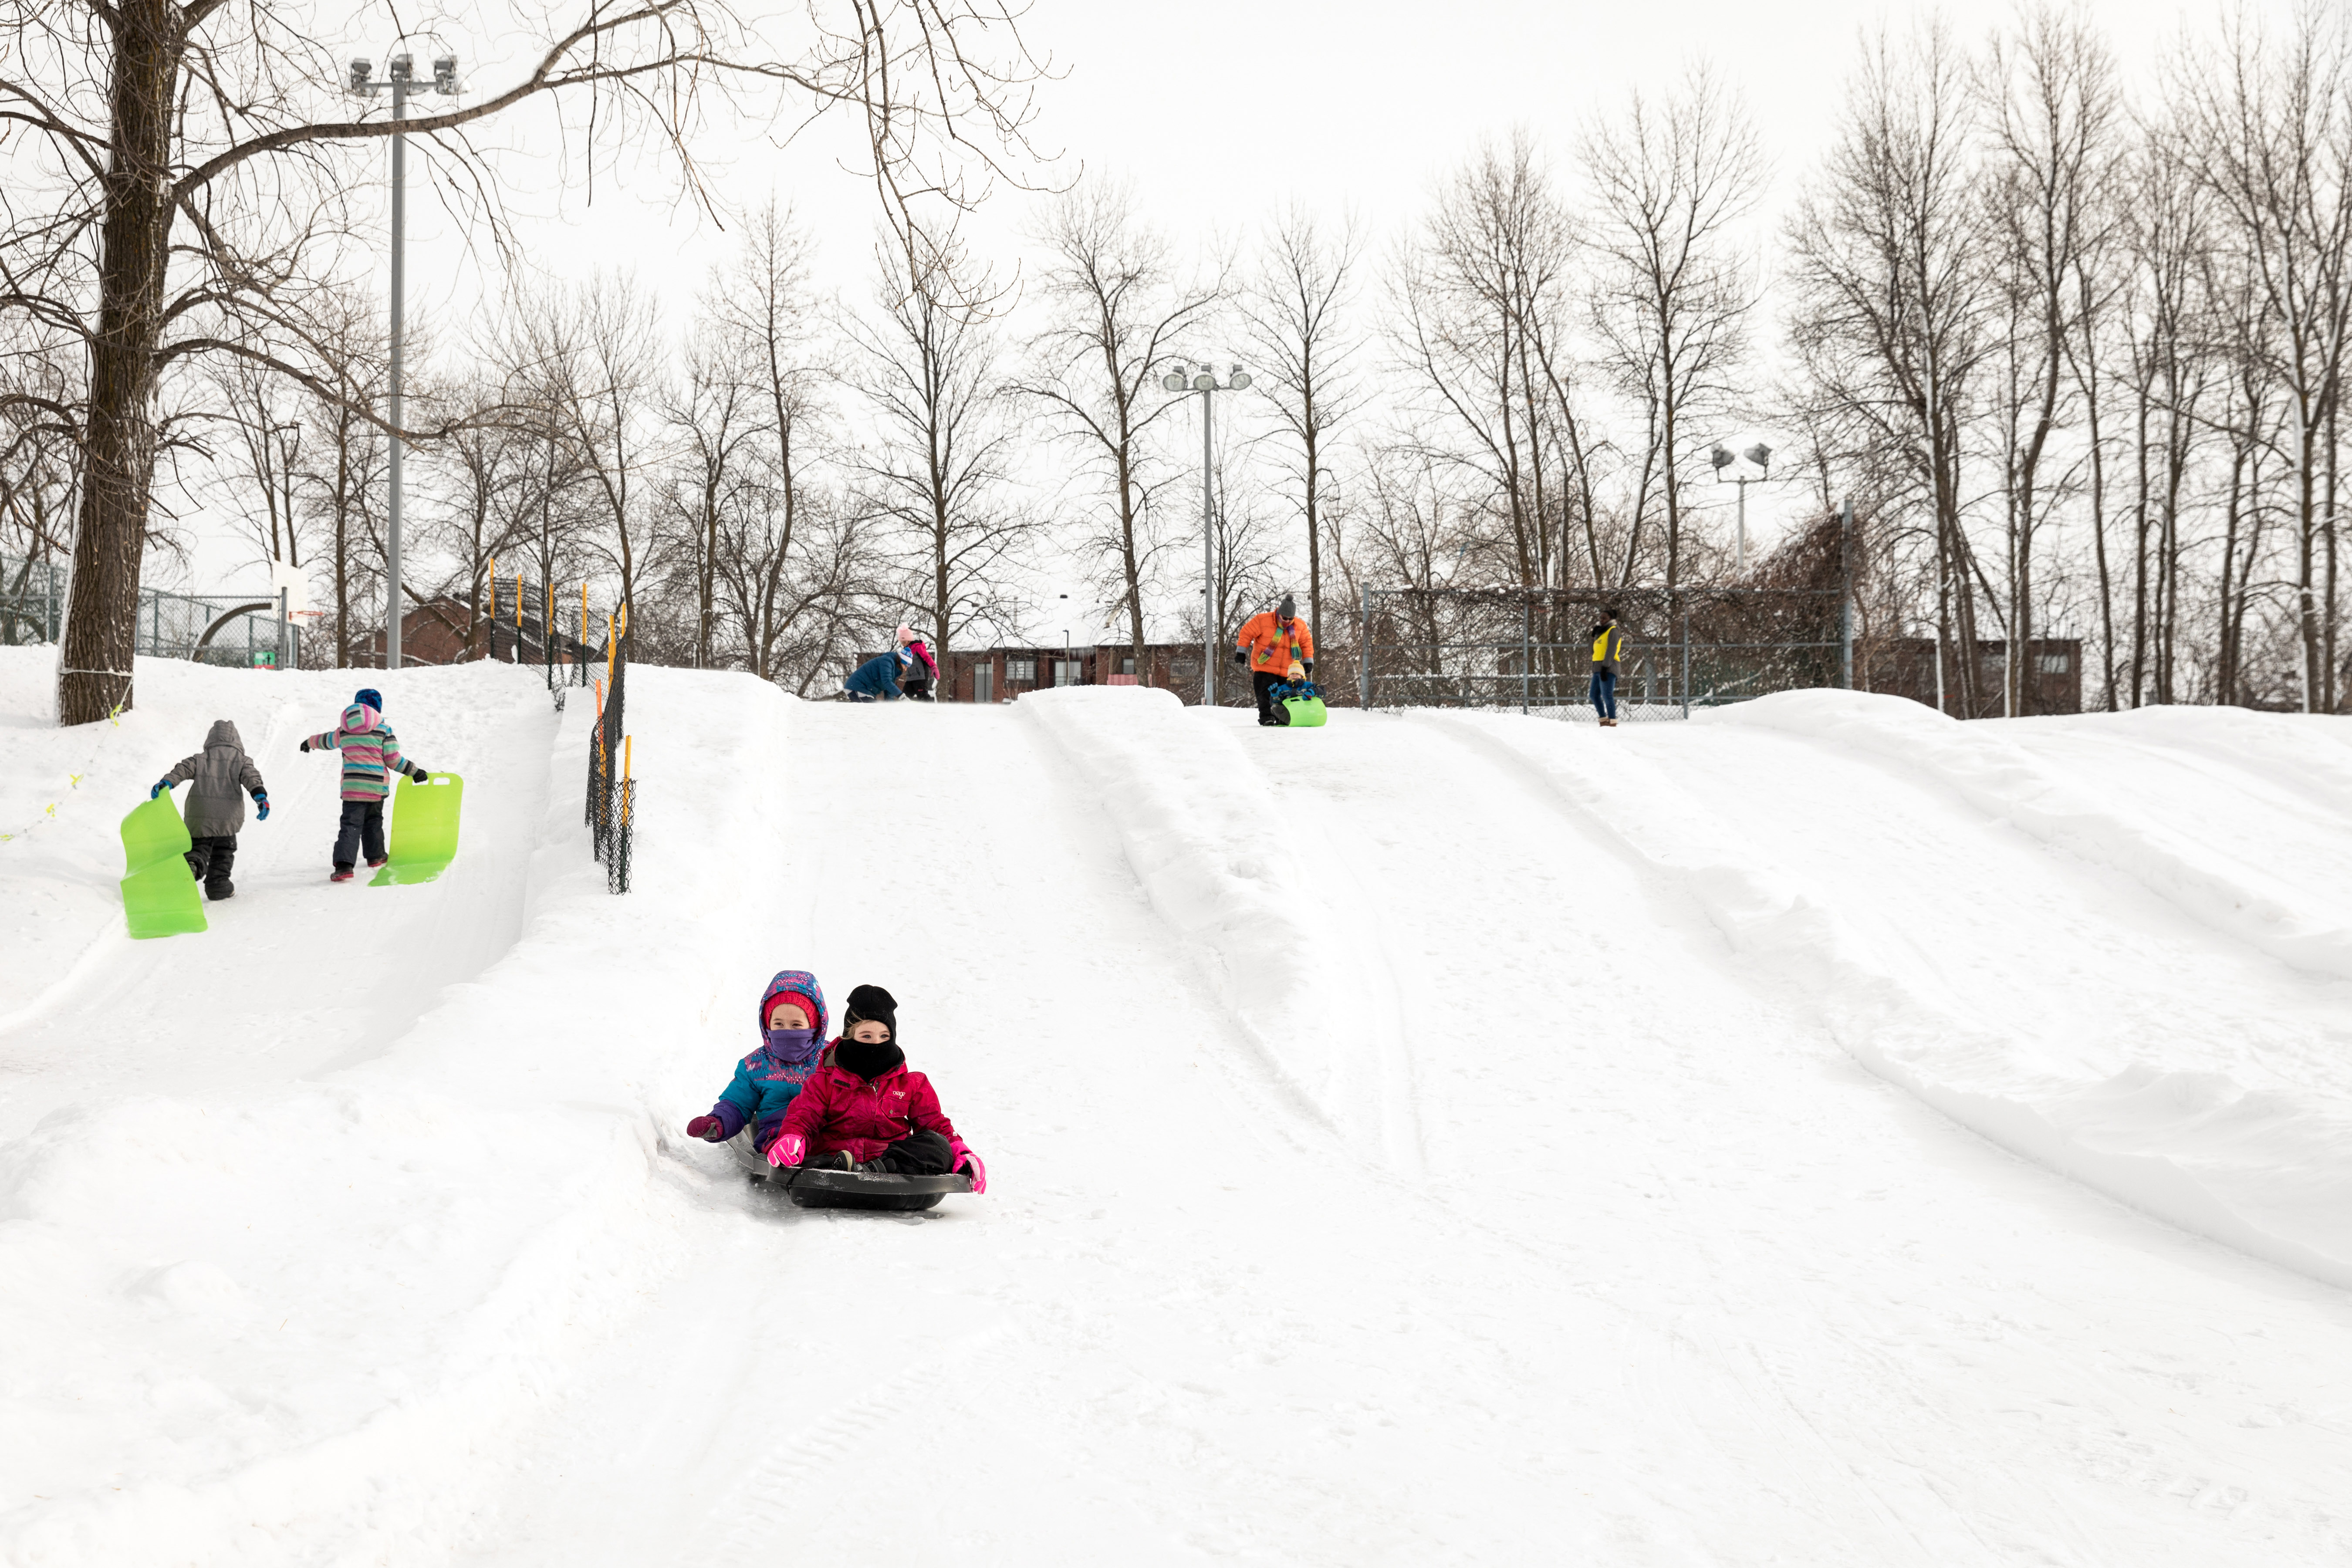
[(434, 632), (1002, 674), (1906, 667)]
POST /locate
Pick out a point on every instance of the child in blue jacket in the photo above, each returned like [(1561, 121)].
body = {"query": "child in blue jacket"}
[(792, 1039), (877, 679)]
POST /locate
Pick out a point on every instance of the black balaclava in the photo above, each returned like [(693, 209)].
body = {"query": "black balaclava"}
[(869, 1003)]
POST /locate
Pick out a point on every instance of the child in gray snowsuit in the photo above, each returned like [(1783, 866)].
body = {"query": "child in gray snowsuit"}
[(215, 809)]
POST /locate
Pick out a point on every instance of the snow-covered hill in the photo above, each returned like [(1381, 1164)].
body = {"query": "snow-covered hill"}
[(1819, 1134)]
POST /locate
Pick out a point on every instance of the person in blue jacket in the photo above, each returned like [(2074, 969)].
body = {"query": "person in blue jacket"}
[(878, 677), (791, 1041)]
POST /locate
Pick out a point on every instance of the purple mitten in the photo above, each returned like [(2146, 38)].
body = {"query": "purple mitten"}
[(787, 1149), (962, 1158), (709, 1129)]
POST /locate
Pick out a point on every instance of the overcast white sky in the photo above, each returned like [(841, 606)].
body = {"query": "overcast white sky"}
[(1219, 110)]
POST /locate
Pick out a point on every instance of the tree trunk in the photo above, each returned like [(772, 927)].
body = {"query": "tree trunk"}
[(118, 438)]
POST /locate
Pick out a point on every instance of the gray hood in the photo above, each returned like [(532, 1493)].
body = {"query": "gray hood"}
[(224, 733)]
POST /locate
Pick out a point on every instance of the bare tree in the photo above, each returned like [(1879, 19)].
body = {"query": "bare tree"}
[(2270, 136), (1887, 261), (345, 460), (768, 307), (599, 350), (2053, 113), (937, 474), (175, 190), (713, 419), (1481, 307), (258, 455), (1116, 310), (1296, 310), (484, 512), (1673, 294)]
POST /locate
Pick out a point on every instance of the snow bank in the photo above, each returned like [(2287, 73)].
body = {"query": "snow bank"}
[(291, 1297), (1986, 766), (1223, 865), (2268, 1170)]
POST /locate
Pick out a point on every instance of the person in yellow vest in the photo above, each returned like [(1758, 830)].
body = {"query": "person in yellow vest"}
[(1608, 651), (1267, 644)]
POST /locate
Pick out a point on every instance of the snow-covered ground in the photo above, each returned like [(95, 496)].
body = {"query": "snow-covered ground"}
[(1820, 1133)]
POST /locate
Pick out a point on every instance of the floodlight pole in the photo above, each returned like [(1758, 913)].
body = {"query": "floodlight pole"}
[(1761, 455), (1209, 638), (400, 69), (1205, 383)]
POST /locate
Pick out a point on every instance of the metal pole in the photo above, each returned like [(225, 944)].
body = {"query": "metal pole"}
[(1943, 582), (281, 628), (1742, 555), (1364, 651), (399, 279), (1526, 620), (1845, 597), (1208, 559), (1686, 684)]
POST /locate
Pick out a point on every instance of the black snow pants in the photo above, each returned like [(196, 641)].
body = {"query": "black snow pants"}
[(920, 1153), (212, 859), (1266, 681), (362, 828)]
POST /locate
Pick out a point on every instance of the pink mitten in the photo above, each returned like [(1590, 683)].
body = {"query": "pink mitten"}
[(707, 1128), (962, 1158), (787, 1149)]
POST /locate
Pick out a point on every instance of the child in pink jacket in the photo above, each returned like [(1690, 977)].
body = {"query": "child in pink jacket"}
[(865, 1109)]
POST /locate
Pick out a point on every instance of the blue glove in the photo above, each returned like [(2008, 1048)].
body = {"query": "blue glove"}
[(161, 785), (261, 805)]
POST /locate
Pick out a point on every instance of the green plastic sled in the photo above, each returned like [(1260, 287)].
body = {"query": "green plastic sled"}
[(160, 895), (423, 829), (1306, 712)]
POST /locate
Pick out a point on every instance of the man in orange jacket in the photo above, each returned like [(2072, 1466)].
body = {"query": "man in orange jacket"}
[(1267, 643)]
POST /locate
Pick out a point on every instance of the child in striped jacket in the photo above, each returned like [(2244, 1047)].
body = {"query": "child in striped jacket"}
[(371, 756)]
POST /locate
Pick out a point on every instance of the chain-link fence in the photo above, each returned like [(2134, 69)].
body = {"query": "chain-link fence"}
[(32, 601), (610, 806), (1531, 649), (241, 631)]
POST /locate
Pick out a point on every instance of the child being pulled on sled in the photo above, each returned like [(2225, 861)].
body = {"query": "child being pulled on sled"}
[(371, 756), (216, 809), (791, 1037), (1293, 685), (865, 1109)]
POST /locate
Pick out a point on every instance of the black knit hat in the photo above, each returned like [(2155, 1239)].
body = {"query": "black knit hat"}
[(871, 1002)]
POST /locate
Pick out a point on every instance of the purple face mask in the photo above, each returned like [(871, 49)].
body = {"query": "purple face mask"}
[(790, 1045)]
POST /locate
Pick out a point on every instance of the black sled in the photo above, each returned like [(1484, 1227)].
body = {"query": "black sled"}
[(869, 1190)]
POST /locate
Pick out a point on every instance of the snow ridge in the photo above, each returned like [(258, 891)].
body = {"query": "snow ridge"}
[(1207, 838), (2267, 1172)]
